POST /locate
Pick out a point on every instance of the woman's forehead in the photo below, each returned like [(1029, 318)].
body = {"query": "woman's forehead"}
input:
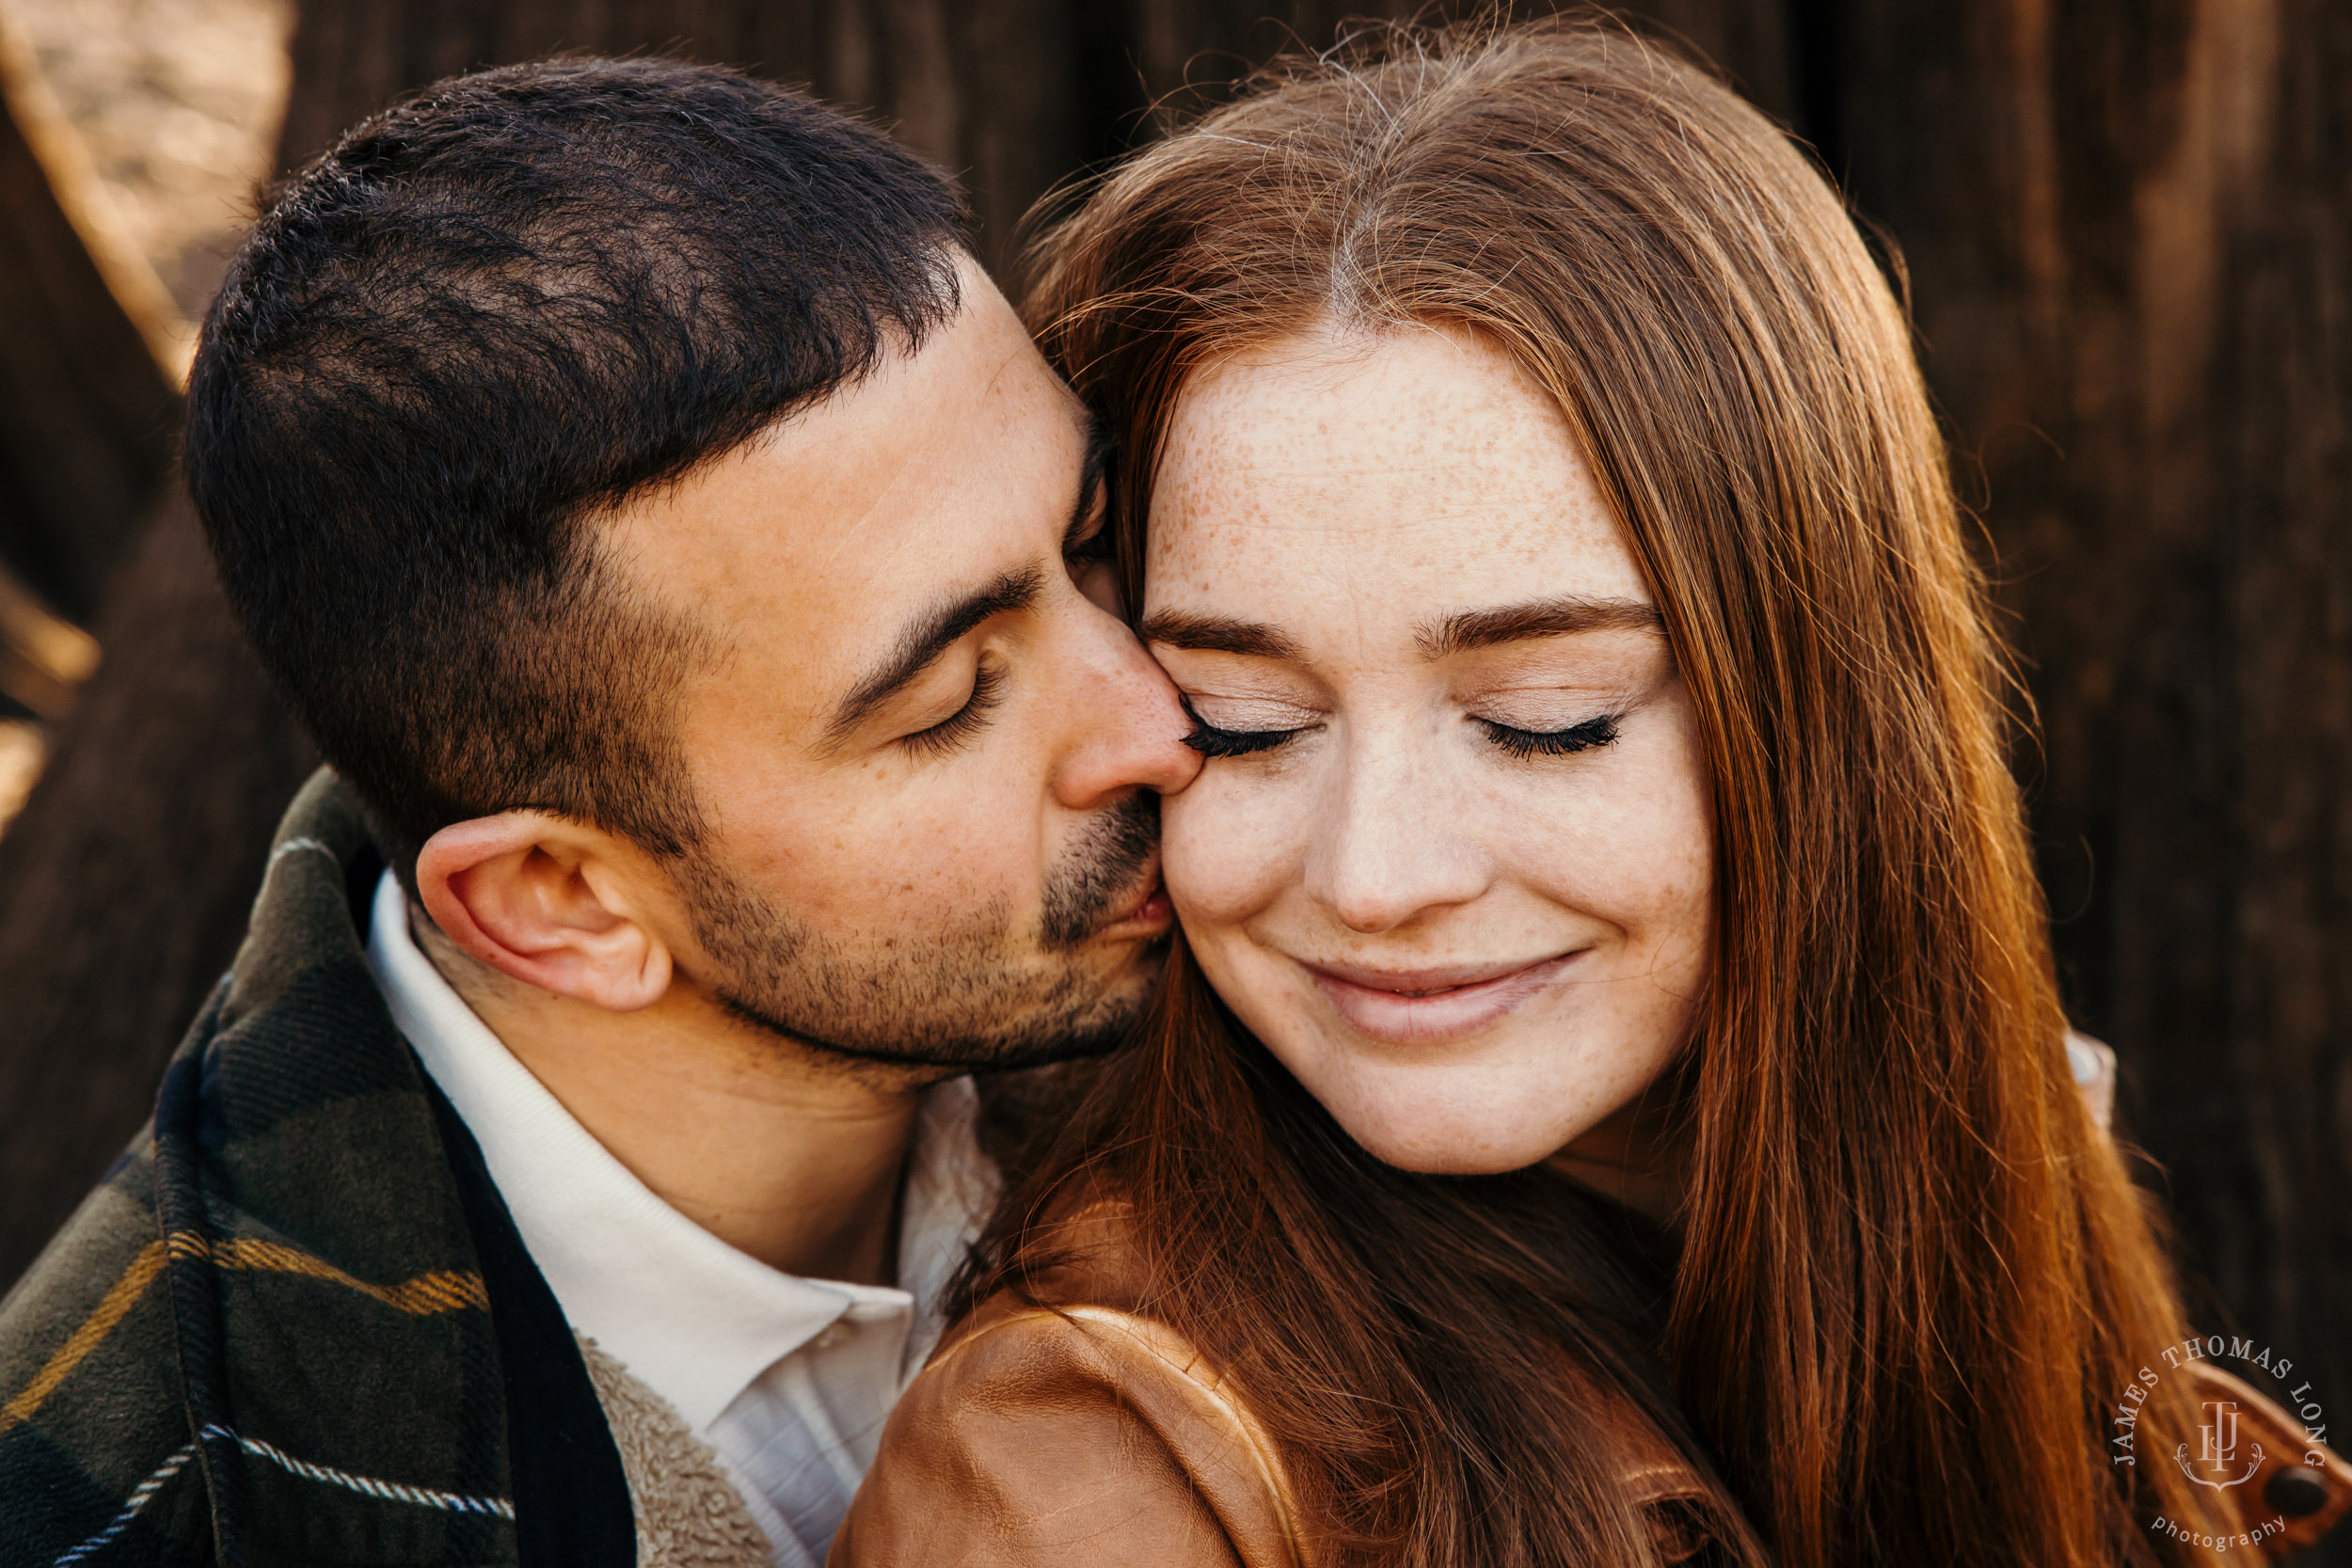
[(1416, 472)]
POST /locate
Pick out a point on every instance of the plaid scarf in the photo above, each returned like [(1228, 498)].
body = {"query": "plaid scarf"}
[(296, 1324)]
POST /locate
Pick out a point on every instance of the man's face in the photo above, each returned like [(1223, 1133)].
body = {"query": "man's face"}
[(924, 755)]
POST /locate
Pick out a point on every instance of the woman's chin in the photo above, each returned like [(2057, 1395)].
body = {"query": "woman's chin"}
[(1412, 1138)]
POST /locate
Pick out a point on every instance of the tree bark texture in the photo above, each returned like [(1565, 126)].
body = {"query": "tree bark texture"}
[(127, 877), (2128, 234), (87, 418), (1011, 96), (2129, 231)]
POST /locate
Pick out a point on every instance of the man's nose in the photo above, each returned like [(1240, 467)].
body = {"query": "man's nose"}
[(1127, 726)]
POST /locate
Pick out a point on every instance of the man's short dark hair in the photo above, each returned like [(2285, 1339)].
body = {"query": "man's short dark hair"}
[(483, 318)]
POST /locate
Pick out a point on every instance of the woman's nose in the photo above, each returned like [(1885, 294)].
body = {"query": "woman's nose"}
[(1390, 847)]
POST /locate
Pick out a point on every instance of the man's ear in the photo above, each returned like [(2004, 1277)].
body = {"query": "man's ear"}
[(548, 902)]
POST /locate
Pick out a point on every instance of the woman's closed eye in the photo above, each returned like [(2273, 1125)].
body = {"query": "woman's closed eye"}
[(1525, 744), (1212, 740), (1236, 741)]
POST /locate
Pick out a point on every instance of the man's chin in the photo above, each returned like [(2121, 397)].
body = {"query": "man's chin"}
[(1101, 1029)]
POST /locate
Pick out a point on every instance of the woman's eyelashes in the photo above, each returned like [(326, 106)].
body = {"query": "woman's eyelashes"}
[(988, 683), (1211, 741), (1524, 744)]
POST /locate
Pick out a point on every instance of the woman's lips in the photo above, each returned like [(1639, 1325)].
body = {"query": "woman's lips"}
[(1427, 1006)]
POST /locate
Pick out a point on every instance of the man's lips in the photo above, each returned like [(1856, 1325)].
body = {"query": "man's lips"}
[(1148, 913), (1424, 1007)]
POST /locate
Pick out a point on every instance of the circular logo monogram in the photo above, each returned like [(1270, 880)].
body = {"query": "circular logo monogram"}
[(2230, 1451)]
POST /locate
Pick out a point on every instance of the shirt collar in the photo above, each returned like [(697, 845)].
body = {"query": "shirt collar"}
[(688, 1315)]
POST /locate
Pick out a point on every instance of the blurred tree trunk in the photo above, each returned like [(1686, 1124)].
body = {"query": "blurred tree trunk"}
[(2129, 231), (115, 907), (1008, 95), (129, 873), (86, 416), (2129, 235)]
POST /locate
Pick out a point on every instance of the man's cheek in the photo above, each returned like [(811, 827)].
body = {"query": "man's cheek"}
[(957, 865)]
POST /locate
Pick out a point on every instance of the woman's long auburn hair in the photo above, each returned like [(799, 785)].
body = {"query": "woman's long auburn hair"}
[(1912, 1275)]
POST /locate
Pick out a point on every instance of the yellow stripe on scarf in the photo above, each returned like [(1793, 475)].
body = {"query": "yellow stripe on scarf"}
[(119, 1300), (442, 1291)]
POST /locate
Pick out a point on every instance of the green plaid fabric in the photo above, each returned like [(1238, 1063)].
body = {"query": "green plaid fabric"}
[(267, 1337)]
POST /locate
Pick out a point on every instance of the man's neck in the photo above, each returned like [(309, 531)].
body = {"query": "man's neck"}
[(790, 1157)]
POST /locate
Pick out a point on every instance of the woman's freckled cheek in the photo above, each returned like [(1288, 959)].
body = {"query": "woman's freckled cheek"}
[(1221, 865)]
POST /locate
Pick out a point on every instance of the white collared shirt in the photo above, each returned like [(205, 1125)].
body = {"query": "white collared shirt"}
[(790, 1378)]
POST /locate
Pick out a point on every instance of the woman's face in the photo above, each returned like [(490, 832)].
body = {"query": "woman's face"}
[(1450, 857)]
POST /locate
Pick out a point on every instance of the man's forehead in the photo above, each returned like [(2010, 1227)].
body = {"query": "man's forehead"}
[(813, 543)]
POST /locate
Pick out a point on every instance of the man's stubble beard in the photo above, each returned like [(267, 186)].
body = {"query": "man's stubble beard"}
[(968, 998)]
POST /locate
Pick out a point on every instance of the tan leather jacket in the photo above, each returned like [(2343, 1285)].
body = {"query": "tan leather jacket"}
[(1096, 1436)]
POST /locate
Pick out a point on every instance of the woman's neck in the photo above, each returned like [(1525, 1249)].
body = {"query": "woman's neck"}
[(1638, 1156)]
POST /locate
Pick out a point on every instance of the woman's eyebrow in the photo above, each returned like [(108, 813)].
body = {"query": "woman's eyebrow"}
[(1486, 629), (1217, 634)]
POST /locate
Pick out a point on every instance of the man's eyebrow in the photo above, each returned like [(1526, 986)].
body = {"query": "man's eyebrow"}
[(1519, 623), (930, 634), (1098, 462), (1217, 634)]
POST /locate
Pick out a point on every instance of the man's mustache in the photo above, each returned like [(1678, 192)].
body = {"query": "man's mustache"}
[(1101, 870)]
